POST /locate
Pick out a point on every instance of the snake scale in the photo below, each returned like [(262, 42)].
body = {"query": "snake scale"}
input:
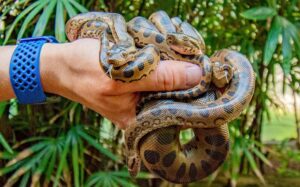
[(130, 51)]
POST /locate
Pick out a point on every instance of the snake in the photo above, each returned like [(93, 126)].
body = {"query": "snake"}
[(122, 60), (226, 87)]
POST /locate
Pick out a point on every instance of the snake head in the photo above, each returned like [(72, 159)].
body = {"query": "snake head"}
[(222, 74), (184, 44), (133, 163), (120, 54)]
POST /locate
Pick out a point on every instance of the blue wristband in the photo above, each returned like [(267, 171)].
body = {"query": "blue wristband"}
[(25, 70)]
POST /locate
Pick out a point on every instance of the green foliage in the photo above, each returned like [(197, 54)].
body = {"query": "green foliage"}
[(48, 157), (44, 9), (290, 160), (45, 145), (244, 148), (5, 145), (115, 178), (272, 40), (259, 13)]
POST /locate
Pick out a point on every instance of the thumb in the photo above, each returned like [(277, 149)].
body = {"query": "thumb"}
[(169, 75)]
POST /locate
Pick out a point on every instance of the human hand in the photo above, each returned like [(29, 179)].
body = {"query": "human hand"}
[(72, 70)]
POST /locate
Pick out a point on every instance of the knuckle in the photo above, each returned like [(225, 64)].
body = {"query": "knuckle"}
[(165, 80)]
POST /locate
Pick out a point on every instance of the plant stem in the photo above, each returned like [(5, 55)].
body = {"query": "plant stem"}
[(296, 120)]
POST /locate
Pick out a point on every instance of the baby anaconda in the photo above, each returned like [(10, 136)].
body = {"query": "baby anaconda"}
[(226, 87)]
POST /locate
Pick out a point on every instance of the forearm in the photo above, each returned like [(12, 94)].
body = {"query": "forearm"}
[(6, 90)]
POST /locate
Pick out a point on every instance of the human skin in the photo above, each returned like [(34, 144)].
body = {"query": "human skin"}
[(72, 70)]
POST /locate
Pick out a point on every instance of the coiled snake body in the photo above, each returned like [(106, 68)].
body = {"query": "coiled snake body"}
[(154, 138)]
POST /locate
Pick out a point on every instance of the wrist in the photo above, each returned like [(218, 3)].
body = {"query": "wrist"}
[(66, 69), (53, 68)]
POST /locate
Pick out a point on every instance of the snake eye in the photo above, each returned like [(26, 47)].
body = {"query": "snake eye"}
[(170, 37), (124, 55)]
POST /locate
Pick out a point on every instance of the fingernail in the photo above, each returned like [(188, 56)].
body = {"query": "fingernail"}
[(193, 75)]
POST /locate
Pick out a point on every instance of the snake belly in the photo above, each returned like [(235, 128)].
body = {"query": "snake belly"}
[(154, 138)]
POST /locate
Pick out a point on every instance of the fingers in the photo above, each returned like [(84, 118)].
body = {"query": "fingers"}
[(169, 75), (121, 110)]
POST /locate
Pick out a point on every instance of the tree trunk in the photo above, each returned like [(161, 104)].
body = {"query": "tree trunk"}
[(297, 120)]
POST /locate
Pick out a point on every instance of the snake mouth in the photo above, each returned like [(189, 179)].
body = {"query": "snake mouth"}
[(120, 58), (184, 44), (185, 50)]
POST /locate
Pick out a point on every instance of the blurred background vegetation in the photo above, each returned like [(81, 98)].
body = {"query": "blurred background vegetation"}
[(65, 144)]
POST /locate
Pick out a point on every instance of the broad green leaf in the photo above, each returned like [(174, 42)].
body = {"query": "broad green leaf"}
[(81, 161), (235, 160), (105, 182), (262, 156), (60, 22), (294, 32), (4, 143), (96, 145), (51, 165), (125, 174), (78, 6), (63, 160), (71, 11), (27, 152), (6, 155), (30, 17), (272, 40), (75, 162), (259, 13), (8, 169), (101, 183), (25, 180), (43, 164), (286, 51), (94, 178), (253, 165), (2, 107), (22, 14), (22, 1), (25, 168), (44, 18), (32, 139), (112, 182), (77, 113)]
